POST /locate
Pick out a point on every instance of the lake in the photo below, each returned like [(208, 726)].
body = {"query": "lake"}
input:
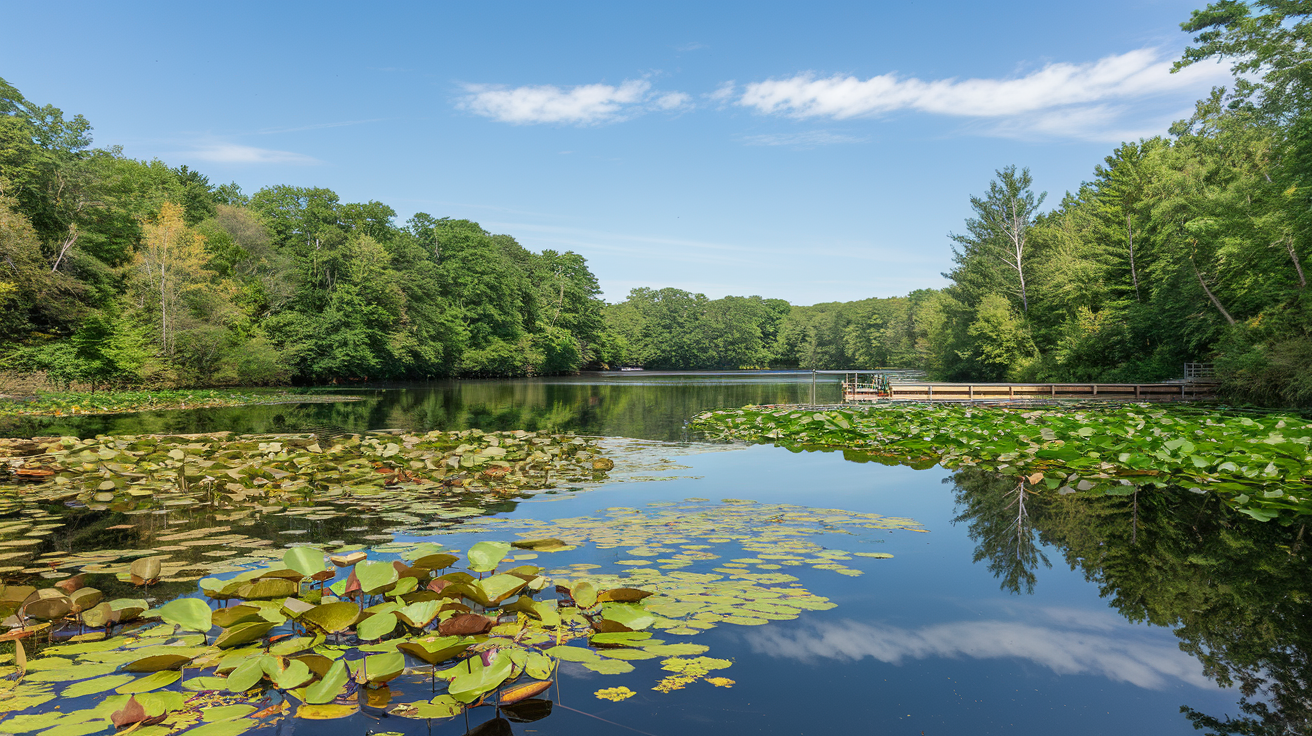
[(1093, 616)]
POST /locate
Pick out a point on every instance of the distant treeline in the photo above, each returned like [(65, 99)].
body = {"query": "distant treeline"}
[(1188, 247), (674, 329)]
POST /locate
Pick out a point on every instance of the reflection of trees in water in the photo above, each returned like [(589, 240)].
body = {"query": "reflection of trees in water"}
[(1236, 592), (651, 410), (997, 511)]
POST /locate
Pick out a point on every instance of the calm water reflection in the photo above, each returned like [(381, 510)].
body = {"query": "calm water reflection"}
[(1082, 616), (643, 405)]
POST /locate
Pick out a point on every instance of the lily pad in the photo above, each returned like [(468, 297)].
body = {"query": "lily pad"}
[(189, 613), (485, 556)]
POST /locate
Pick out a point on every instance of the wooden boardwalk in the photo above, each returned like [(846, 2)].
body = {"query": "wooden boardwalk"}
[(1184, 391)]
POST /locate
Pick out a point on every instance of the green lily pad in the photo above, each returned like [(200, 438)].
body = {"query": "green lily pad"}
[(479, 679), (375, 577), (97, 685), (609, 666), (224, 728), (331, 618), (243, 634), (189, 613), (226, 712), (376, 626), (443, 706), (381, 668), (150, 682), (308, 561), (485, 556), (247, 675), (327, 688)]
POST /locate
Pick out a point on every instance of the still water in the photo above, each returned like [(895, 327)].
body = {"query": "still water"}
[(647, 405), (1095, 616)]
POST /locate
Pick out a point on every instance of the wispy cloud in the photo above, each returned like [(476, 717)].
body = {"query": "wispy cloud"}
[(587, 104), (1066, 643), (673, 101), (1138, 73), (234, 153), (723, 94), (1058, 100), (809, 139)]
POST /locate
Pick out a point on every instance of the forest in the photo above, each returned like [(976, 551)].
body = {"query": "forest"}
[(1183, 247), (119, 272)]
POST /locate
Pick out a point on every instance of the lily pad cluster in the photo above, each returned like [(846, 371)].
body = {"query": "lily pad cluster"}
[(406, 479), (1259, 463), (413, 630), (72, 403)]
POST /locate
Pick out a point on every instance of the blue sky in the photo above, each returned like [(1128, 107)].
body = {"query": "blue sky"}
[(809, 151)]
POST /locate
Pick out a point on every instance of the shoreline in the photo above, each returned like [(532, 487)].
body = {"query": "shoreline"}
[(102, 403)]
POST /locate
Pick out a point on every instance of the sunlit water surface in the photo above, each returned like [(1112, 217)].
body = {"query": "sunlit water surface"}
[(930, 641)]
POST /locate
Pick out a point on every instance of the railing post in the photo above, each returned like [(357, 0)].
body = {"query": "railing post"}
[(812, 387)]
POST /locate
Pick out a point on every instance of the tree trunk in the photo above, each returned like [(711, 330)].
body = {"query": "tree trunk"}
[(64, 247), (1017, 237), (1134, 275), (1210, 295), (1293, 256)]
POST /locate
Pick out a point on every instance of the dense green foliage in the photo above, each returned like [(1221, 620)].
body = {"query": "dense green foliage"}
[(121, 272), (1260, 464)]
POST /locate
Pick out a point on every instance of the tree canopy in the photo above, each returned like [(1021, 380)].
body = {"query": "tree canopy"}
[(122, 272)]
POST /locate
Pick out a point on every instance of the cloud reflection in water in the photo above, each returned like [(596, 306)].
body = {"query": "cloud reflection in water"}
[(1068, 643)]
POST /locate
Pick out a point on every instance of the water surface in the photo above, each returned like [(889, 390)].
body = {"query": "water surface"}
[(1092, 616)]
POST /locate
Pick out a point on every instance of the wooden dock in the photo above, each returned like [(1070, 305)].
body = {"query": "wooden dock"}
[(855, 391)]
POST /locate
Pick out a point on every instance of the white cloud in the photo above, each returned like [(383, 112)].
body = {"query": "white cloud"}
[(673, 101), (233, 153), (587, 104), (1067, 645), (809, 139), (723, 93), (1135, 74)]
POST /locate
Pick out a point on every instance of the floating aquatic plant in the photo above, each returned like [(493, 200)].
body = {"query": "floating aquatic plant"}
[(293, 481), (1261, 463), (416, 630)]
